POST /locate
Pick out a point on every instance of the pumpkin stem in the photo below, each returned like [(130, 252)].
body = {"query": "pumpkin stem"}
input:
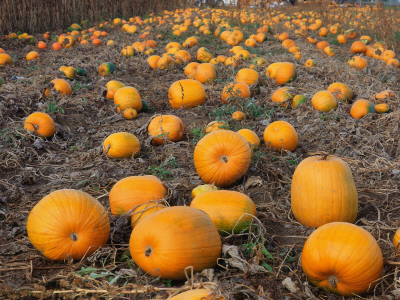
[(73, 236), (224, 158), (148, 251), (324, 155), (333, 281)]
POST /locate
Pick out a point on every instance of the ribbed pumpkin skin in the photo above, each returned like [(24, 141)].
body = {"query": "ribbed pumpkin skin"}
[(121, 145), (229, 210), (222, 157), (346, 254), (166, 128), (135, 190), (127, 96), (198, 294), (40, 123), (323, 191), (251, 137), (186, 93), (61, 216), (281, 135), (286, 72), (324, 101), (174, 238), (248, 76), (205, 73)]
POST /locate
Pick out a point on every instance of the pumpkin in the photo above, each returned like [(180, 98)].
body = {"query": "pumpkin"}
[(40, 123), (186, 93), (128, 51), (358, 47), (182, 56), (106, 69), (297, 100), (59, 85), (216, 125), (321, 45), (230, 211), (168, 241), (121, 145), (41, 45), (396, 241), (112, 87), (152, 61), (271, 70), (197, 294), (384, 95), (205, 73), (250, 43), (329, 51), (323, 191), (69, 72), (130, 113), (5, 59), (247, 76), (288, 43), (143, 210), (191, 67), (32, 55), (238, 115), (280, 135), (342, 258), (382, 108), (285, 72), (358, 62), (222, 157), (282, 96), (233, 91), (341, 91), (68, 223), (324, 101), (341, 39), (361, 108), (251, 137), (165, 128), (67, 41), (127, 97), (202, 189)]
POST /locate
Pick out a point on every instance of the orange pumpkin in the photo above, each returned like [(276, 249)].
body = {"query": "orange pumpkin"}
[(127, 97), (361, 108), (121, 145), (59, 85), (232, 91), (247, 76), (168, 241), (321, 45), (197, 294), (238, 115), (282, 96), (230, 211), (112, 87), (130, 113), (165, 128), (32, 55), (5, 59), (323, 191), (251, 137), (202, 189), (271, 70), (396, 241), (358, 62), (285, 72), (143, 210), (186, 93), (205, 73), (133, 191), (358, 47), (68, 223), (222, 157), (342, 258), (341, 39), (191, 68), (298, 99), (382, 108), (341, 91), (40, 123), (280, 135), (216, 125), (66, 41), (324, 101)]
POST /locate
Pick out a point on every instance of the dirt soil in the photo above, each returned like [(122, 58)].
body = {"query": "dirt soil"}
[(254, 265)]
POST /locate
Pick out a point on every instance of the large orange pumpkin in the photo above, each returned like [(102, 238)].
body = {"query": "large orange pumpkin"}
[(230, 211), (323, 191), (40, 123), (132, 191), (205, 73), (186, 93), (121, 145), (285, 72), (68, 223), (168, 241), (127, 96), (222, 157), (247, 76), (342, 258), (281, 135), (165, 128)]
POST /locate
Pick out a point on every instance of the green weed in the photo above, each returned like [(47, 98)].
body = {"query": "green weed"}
[(52, 107), (10, 136)]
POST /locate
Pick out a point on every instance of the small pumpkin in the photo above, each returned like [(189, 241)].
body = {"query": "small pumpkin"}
[(238, 115), (324, 101), (358, 62), (165, 128), (191, 68), (121, 145), (130, 113), (297, 100), (251, 137), (222, 157), (382, 108), (271, 70), (232, 91), (216, 125), (59, 85), (361, 108), (127, 97), (285, 72), (247, 76), (205, 73), (68, 223), (230, 211), (323, 191), (112, 87), (168, 241), (341, 91), (309, 63), (186, 93), (40, 123), (202, 189), (280, 135), (32, 55), (282, 96), (69, 72), (342, 258), (106, 69), (5, 59), (358, 47)]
